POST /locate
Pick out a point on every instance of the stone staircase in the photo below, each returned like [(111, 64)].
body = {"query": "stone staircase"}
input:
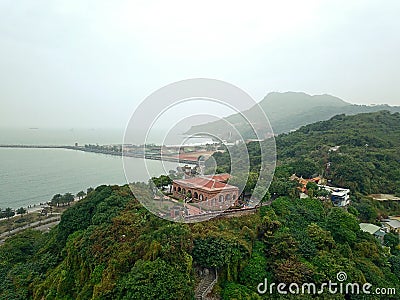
[(207, 282)]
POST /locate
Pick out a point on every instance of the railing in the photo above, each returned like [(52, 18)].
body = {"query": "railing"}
[(226, 213), (210, 287)]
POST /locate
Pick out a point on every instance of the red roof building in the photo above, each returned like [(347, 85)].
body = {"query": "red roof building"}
[(211, 191)]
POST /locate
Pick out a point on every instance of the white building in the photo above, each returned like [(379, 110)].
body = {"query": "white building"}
[(339, 196)]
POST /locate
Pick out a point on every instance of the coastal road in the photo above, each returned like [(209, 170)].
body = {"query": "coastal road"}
[(44, 225)]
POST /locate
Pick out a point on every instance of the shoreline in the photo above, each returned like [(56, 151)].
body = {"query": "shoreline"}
[(35, 206), (33, 220), (38, 207), (103, 151)]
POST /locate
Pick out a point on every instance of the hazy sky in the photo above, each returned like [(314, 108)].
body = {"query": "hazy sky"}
[(90, 63)]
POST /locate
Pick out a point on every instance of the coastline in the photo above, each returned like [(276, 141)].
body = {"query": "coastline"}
[(32, 219), (32, 208), (92, 172), (104, 151)]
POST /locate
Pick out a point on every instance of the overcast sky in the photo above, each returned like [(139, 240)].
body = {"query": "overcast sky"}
[(90, 63)]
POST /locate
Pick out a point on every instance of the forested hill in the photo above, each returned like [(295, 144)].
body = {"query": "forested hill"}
[(108, 246), (359, 152), (367, 159), (291, 110)]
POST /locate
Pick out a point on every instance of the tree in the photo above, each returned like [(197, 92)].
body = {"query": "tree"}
[(251, 182), (342, 225), (67, 198), (282, 245), (237, 291), (81, 194), (212, 251), (392, 240), (352, 210), (305, 167), (256, 269), (283, 187), (397, 192), (322, 239), (312, 186), (8, 213), (56, 200), (89, 190), (21, 211), (292, 270), (156, 279), (395, 265), (366, 212), (161, 181)]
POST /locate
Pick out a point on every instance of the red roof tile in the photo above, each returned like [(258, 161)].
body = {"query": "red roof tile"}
[(224, 177), (204, 183)]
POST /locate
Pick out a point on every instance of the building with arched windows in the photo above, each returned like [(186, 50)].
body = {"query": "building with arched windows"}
[(211, 191)]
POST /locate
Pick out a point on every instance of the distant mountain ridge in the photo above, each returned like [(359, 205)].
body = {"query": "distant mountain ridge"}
[(289, 111)]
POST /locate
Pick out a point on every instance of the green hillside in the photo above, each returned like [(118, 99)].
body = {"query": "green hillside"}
[(367, 159), (289, 111), (108, 246)]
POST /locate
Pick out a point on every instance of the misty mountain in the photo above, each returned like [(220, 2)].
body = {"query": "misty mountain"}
[(286, 112)]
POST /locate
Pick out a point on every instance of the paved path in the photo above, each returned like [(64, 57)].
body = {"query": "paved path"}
[(47, 227), (39, 225), (206, 284)]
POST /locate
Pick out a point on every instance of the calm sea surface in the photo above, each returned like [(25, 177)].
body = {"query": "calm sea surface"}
[(31, 176)]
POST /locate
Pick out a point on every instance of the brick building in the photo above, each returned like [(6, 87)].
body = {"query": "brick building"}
[(210, 191)]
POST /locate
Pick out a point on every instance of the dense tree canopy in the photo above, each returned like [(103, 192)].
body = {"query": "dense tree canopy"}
[(366, 159)]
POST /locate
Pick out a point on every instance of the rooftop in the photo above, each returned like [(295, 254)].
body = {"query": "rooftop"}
[(370, 228), (380, 232), (223, 177), (336, 190), (392, 223), (204, 183)]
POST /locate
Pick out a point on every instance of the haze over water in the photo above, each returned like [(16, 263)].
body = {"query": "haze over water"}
[(31, 176)]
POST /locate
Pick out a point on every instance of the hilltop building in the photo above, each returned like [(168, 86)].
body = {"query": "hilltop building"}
[(303, 182), (210, 191), (339, 196), (392, 224), (376, 231)]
